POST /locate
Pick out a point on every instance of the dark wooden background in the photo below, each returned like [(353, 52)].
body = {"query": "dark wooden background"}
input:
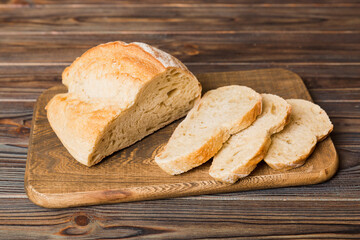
[(319, 40)]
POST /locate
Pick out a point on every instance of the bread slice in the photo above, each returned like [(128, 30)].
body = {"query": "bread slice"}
[(220, 113), (244, 150), (119, 93), (291, 147)]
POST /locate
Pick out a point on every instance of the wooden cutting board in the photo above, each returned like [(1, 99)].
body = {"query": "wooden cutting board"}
[(54, 179)]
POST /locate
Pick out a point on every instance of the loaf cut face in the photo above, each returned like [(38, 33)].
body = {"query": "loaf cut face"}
[(219, 114), (244, 150), (119, 93), (291, 147)]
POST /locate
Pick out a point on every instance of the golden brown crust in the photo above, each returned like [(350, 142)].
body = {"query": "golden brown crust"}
[(77, 123), (132, 60), (312, 117), (211, 147), (103, 83), (242, 171), (249, 117), (246, 149), (285, 122), (197, 158), (250, 166), (281, 166), (321, 138), (120, 54)]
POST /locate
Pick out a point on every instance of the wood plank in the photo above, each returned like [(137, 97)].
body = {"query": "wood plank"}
[(163, 18), (315, 75), (12, 170), (343, 125), (180, 3), (22, 94), (341, 109), (15, 122), (338, 94), (179, 219), (33, 76), (194, 48)]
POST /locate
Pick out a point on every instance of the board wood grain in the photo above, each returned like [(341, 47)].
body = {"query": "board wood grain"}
[(54, 179)]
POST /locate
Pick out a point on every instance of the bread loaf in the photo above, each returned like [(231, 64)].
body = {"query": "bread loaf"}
[(119, 93), (220, 113), (244, 150), (291, 147)]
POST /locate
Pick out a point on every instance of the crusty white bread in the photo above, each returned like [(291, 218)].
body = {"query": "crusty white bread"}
[(119, 93), (220, 113), (244, 150), (291, 147)]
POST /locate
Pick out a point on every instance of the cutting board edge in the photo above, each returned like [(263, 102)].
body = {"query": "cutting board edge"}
[(111, 196), (56, 200)]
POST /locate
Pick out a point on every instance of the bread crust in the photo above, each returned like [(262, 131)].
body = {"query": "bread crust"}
[(158, 60), (242, 171), (211, 147), (318, 126), (244, 150), (280, 166), (103, 84), (78, 124), (185, 163)]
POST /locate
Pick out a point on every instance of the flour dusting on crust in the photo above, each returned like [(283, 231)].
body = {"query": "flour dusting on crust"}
[(166, 59)]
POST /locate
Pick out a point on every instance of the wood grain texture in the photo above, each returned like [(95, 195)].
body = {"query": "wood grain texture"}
[(53, 179), (315, 75), (250, 47), (187, 218), (31, 64), (180, 3), (139, 18)]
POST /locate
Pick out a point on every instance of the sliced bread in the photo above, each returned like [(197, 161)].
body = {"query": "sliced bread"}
[(291, 147), (219, 114), (118, 93), (244, 150)]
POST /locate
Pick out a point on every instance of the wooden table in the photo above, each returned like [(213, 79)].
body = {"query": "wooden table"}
[(319, 41)]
